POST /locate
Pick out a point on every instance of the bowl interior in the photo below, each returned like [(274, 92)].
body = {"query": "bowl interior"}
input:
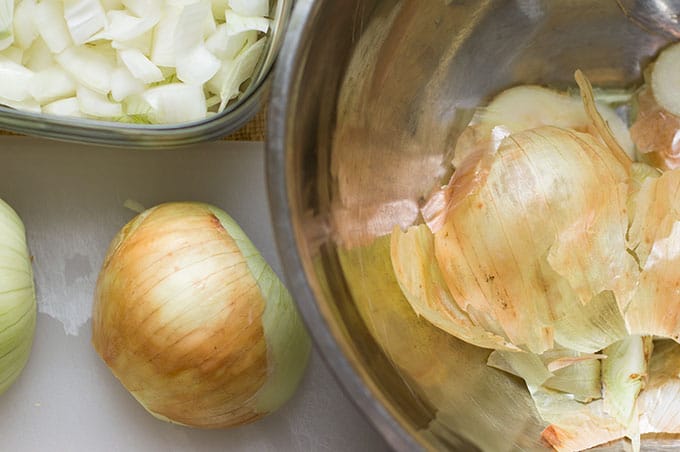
[(368, 102)]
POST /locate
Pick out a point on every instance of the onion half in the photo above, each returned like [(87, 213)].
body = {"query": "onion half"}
[(17, 298), (193, 322)]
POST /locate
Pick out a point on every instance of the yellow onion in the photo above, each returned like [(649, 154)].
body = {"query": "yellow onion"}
[(193, 322), (17, 297)]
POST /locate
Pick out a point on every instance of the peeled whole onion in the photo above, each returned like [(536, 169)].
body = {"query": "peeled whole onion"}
[(17, 298), (193, 322)]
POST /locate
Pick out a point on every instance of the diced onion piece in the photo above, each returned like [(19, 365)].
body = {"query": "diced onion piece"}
[(64, 107), (163, 47), (136, 105), (197, 66), (51, 84), (201, 11), (124, 27), (225, 46), (140, 66), (666, 79), (144, 8), (24, 27), (29, 104), (218, 8), (141, 43), (89, 67), (237, 23), (15, 80), (242, 70), (110, 5), (96, 104), (250, 7), (123, 84), (187, 35), (50, 23), (84, 18), (13, 54), (176, 102), (212, 101), (38, 56), (6, 27)]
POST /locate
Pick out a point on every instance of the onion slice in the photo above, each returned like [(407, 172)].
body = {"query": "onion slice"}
[(665, 79)]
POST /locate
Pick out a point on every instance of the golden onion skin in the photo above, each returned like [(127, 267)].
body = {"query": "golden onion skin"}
[(178, 318)]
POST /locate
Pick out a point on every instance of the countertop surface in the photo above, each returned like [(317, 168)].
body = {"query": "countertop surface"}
[(70, 198)]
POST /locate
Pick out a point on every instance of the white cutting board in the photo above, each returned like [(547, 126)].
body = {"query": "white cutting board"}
[(71, 200)]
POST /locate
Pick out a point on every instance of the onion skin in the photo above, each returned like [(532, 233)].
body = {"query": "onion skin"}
[(179, 319)]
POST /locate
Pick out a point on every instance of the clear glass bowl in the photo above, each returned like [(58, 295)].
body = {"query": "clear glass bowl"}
[(109, 133)]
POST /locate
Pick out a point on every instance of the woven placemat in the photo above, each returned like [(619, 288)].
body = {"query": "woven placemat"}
[(255, 130)]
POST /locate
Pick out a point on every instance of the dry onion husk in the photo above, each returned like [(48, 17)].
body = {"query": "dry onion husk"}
[(539, 241)]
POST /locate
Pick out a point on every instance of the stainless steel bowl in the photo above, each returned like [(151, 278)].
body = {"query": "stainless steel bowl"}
[(237, 114), (368, 100)]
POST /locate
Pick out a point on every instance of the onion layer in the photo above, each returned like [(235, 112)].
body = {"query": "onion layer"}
[(17, 298)]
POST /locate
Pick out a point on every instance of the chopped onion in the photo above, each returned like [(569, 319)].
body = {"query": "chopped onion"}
[(191, 19), (49, 20), (123, 84), (226, 46), (237, 23), (24, 28), (6, 26), (144, 8), (243, 68), (122, 48), (666, 79), (38, 56), (250, 7), (125, 27), (64, 107), (88, 67), (197, 65), (15, 80), (29, 105), (176, 102), (163, 47), (84, 18), (141, 43), (97, 105), (110, 5), (140, 66), (51, 84), (14, 54), (218, 8)]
